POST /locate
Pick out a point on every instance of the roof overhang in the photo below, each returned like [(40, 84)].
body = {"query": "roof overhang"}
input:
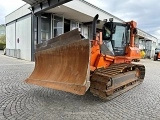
[(38, 6), (74, 15)]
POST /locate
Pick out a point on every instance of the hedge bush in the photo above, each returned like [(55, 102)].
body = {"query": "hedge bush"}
[(2, 46)]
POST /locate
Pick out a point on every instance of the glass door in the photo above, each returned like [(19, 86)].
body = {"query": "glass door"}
[(45, 27), (58, 25), (74, 25)]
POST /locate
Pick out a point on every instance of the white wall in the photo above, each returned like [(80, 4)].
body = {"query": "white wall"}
[(10, 36), (153, 49), (19, 26), (23, 33), (22, 11)]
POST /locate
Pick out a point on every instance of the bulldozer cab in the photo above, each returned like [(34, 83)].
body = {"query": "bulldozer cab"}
[(115, 37)]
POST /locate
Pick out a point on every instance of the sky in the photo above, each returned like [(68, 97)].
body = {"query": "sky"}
[(145, 12), (8, 6)]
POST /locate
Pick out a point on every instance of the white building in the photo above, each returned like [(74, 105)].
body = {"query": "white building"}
[(24, 29)]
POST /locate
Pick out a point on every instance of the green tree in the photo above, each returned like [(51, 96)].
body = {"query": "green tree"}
[(3, 39)]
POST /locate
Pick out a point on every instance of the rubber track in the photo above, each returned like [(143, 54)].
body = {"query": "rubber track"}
[(102, 76)]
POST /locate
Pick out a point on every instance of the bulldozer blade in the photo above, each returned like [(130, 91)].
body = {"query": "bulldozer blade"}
[(62, 63)]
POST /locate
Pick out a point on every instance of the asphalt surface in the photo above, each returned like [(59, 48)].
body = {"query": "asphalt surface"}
[(21, 101)]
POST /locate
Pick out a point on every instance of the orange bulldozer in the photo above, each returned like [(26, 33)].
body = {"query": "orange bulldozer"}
[(157, 54), (71, 63)]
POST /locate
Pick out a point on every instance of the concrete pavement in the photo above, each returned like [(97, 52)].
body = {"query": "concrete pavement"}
[(21, 101)]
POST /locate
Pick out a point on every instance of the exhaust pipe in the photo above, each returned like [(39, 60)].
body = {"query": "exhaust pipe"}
[(94, 26)]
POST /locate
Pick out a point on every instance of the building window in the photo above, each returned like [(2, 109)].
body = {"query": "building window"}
[(45, 26), (35, 31), (66, 25), (74, 25), (58, 26), (45, 31)]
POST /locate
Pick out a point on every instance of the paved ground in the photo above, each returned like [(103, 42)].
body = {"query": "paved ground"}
[(20, 101)]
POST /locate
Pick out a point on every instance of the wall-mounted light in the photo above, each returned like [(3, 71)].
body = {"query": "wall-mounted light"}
[(43, 17)]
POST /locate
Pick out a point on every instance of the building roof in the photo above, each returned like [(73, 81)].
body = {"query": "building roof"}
[(33, 2), (79, 10), (38, 6)]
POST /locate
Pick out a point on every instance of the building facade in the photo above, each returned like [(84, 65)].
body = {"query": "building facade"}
[(24, 30)]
